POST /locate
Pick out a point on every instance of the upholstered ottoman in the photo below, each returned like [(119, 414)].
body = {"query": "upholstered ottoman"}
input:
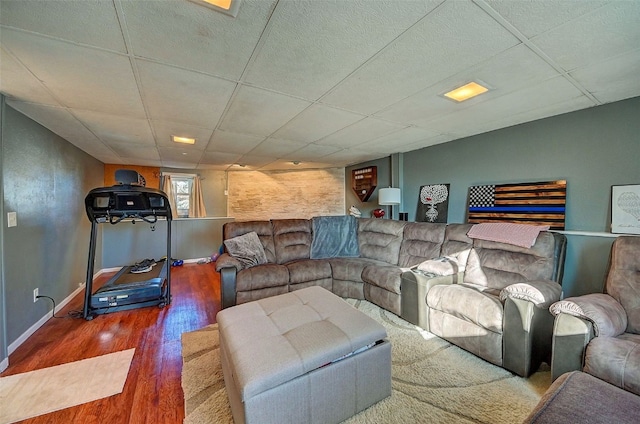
[(578, 397), (302, 357)]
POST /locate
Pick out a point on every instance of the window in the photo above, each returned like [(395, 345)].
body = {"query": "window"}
[(182, 186)]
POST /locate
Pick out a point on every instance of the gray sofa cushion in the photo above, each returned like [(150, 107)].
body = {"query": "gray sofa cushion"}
[(498, 265), (306, 270), (263, 276), (334, 237), (623, 280), (421, 241), (469, 304), (385, 277), (615, 360), (380, 239), (292, 239)]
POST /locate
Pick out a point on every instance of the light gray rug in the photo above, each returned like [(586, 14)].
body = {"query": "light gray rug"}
[(433, 381)]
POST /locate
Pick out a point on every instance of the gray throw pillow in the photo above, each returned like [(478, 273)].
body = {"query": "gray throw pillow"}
[(247, 249)]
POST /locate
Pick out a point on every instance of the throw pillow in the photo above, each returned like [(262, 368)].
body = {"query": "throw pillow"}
[(247, 249)]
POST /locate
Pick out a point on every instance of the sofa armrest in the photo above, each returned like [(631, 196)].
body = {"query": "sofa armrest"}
[(542, 293), (414, 288), (227, 261), (607, 315)]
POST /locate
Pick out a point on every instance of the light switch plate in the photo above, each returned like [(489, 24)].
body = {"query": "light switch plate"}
[(12, 219)]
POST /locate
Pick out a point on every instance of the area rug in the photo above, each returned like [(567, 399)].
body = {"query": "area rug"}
[(34, 393), (433, 381)]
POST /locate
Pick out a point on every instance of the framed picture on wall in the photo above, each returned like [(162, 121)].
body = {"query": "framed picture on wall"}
[(433, 203), (625, 209)]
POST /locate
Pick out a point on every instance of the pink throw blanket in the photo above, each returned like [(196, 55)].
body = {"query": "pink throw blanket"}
[(504, 232)]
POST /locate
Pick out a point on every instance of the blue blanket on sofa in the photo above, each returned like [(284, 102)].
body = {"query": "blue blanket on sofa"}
[(334, 236)]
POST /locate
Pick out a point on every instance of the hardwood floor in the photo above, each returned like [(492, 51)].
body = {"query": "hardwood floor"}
[(152, 392)]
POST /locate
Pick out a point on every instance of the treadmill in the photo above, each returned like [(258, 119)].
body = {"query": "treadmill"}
[(127, 290)]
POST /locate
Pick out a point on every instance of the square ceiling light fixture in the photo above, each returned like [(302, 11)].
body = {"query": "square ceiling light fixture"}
[(183, 140), (466, 92), (228, 7)]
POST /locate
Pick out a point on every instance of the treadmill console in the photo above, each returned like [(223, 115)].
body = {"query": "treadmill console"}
[(113, 204)]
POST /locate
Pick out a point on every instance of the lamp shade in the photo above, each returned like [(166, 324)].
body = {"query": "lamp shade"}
[(389, 196)]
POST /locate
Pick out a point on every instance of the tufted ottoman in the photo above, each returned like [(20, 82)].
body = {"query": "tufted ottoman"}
[(302, 357)]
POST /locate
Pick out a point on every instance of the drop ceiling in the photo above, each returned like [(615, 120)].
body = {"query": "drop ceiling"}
[(323, 83)]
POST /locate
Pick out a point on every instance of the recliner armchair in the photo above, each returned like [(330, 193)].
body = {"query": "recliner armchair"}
[(599, 333), (499, 311)]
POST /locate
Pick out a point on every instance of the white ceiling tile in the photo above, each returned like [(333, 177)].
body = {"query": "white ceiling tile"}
[(92, 22), (250, 162), (508, 71), (311, 152), (614, 79), (315, 122), (594, 37), (288, 165), (396, 141), (312, 45), (183, 96), (192, 36), (535, 17), (171, 156), (165, 129), (116, 129), (360, 132), (531, 98), (233, 142), (450, 39), (217, 158), (18, 83), (276, 148), (79, 77), (249, 86), (136, 151), (259, 112)]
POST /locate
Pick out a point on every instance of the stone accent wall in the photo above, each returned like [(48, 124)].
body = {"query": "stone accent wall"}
[(255, 195)]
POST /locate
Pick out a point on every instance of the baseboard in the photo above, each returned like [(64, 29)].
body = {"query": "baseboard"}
[(4, 364), (24, 336)]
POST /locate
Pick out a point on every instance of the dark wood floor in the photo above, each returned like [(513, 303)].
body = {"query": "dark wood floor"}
[(152, 392)]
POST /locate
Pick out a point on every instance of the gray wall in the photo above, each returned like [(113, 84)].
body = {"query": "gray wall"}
[(45, 181), (191, 238), (4, 354), (592, 149)]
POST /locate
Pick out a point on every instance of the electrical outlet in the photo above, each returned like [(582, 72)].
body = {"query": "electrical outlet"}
[(35, 295)]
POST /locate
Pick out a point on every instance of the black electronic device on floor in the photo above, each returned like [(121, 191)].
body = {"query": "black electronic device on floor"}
[(127, 290)]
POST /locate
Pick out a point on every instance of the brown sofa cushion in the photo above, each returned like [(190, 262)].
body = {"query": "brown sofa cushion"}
[(380, 239), (623, 280), (292, 239)]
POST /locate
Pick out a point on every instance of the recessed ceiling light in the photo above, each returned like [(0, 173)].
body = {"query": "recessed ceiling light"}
[(183, 140), (466, 91), (296, 162), (228, 7)]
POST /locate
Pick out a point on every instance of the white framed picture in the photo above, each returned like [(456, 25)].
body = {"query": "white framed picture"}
[(625, 209)]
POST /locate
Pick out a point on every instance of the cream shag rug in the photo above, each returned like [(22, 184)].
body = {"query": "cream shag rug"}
[(51, 389), (433, 380)]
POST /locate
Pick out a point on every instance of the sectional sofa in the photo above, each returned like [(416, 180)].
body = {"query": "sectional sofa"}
[(506, 286), (386, 248)]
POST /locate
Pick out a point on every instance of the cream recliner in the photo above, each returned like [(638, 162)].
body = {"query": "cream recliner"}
[(599, 333), (500, 309)]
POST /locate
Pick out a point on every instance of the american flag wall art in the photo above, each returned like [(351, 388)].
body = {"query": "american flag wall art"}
[(538, 203)]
